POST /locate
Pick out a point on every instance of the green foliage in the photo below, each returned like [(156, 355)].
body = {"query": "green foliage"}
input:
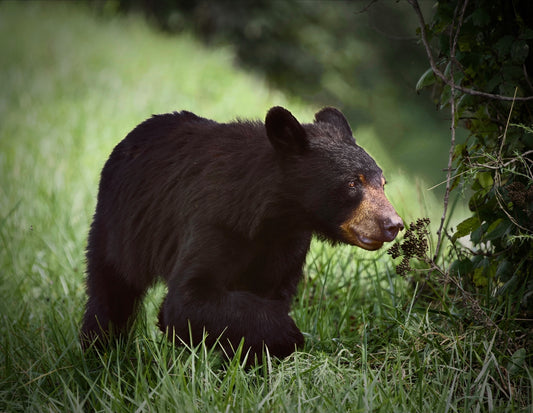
[(494, 54)]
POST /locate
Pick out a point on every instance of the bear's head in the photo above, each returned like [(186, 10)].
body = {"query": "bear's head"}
[(337, 186)]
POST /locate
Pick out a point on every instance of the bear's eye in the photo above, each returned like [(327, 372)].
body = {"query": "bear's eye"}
[(351, 184)]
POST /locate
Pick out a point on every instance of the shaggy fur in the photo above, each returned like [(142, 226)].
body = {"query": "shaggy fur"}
[(224, 214)]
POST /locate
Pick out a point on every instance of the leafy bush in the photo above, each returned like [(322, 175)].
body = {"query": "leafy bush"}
[(481, 59)]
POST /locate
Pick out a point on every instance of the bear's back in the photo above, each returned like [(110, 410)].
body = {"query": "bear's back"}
[(176, 173)]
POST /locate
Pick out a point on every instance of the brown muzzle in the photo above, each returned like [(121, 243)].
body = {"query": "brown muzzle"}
[(373, 222)]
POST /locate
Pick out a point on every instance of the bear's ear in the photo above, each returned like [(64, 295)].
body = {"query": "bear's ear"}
[(336, 118), (285, 133)]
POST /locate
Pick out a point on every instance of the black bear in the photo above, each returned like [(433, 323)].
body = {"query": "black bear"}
[(224, 214)]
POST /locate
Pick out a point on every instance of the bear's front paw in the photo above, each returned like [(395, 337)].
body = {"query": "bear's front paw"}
[(281, 340), (284, 342)]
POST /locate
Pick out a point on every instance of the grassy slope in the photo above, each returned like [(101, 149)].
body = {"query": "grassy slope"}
[(70, 88)]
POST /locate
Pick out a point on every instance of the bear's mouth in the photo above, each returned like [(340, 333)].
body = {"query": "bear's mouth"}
[(367, 243), (354, 237)]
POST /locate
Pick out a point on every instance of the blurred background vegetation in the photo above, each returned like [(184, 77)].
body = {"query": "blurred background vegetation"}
[(360, 56)]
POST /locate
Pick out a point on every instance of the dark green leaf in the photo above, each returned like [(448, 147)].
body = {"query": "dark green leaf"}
[(527, 34), (517, 362), (497, 229), (466, 227), (465, 43), (504, 271), (485, 179), (519, 51), (503, 46), (480, 279), (476, 235), (459, 149), (461, 267), (445, 97), (480, 17), (427, 79)]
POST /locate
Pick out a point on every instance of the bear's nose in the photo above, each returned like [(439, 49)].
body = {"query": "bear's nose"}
[(391, 227)]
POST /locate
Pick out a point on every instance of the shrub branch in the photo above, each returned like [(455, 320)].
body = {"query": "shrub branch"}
[(442, 77), (453, 46)]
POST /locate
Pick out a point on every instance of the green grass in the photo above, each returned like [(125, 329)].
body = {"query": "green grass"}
[(71, 86)]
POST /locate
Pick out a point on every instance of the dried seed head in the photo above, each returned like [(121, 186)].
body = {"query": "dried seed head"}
[(414, 245)]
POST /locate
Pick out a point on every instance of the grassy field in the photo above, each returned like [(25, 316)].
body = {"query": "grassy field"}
[(71, 86)]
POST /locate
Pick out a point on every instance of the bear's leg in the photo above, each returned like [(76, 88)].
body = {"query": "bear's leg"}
[(111, 304), (205, 296), (229, 318)]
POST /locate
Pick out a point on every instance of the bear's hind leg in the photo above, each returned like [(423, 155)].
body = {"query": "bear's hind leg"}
[(111, 305)]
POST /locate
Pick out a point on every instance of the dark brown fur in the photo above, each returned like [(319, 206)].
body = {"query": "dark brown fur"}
[(224, 214)]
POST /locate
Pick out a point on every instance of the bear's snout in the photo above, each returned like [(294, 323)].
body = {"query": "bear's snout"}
[(391, 226), (373, 222)]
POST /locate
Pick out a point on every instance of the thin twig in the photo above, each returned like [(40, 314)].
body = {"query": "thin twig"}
[(506, 127), (453, 46), (526, 77), (499, 199), (478, 312), (442, 77), (492, 165), (367, 7), (497, 176)]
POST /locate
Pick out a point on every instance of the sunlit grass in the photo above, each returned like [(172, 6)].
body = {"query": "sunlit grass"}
[(71, 86)]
